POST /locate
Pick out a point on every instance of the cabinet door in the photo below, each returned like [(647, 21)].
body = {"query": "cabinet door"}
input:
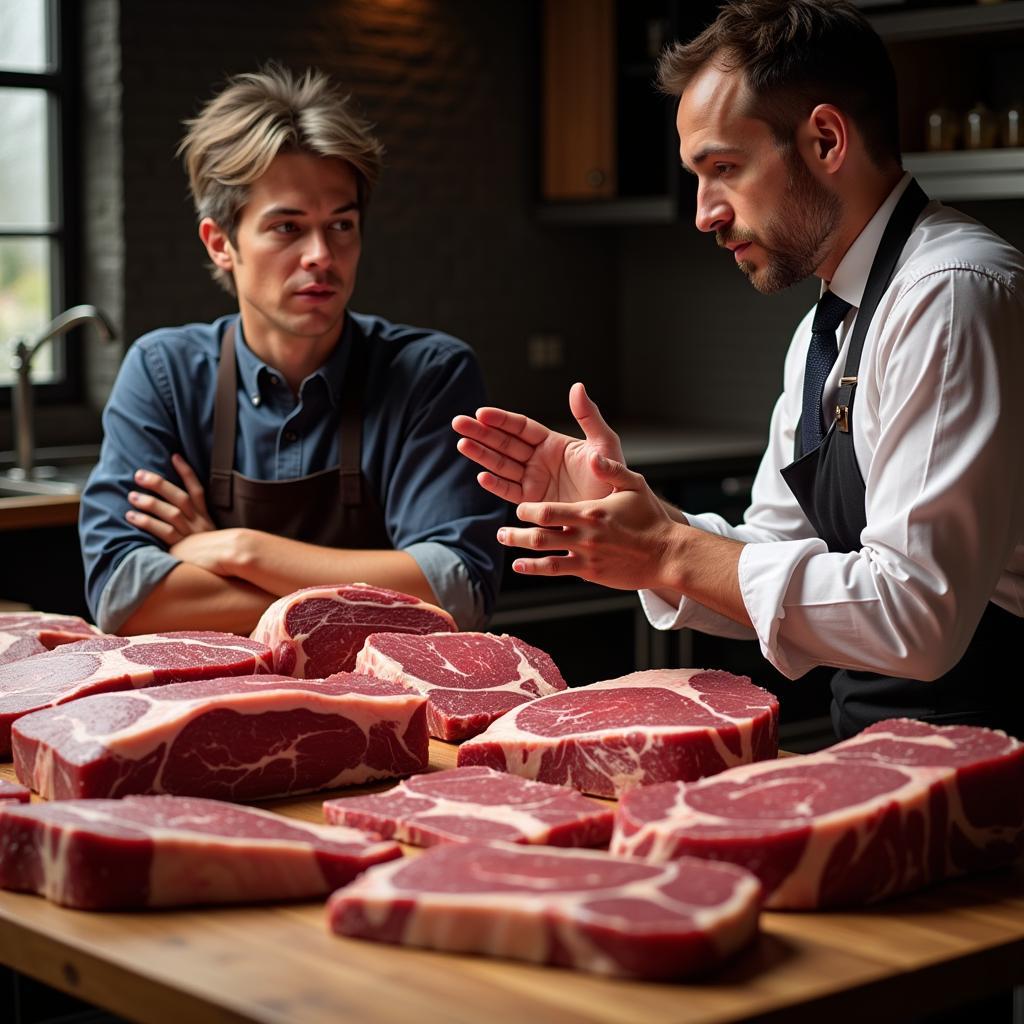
[(579, 99)]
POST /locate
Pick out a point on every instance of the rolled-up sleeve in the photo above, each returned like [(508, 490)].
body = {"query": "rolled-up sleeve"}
[(123, 563), (434, 508)]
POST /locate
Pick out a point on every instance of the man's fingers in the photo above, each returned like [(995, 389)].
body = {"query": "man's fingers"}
[(162, 510), (192, 484), (556, 513), (157, 527), (497, 463), (502, 488), (500, 441), (588, 416), (548, 565), (615, 473), (168, 491), (513, 423), (533, 538)]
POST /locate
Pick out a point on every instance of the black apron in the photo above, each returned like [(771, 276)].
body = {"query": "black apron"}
[(828, 484), (334, 507)]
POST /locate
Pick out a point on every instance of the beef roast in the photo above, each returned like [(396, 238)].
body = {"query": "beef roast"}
[(465, 804), (240, 738), (23, 634), (318, 631), (162, 851), (470, 678), (896, 807), (106, 663), (574, 908), (646, 727), (11, 792)]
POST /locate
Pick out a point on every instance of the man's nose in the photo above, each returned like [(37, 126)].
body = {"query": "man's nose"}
[(316, 252), (713, 213)]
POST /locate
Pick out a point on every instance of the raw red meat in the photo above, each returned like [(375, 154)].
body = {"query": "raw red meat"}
[(646, 727), (470, 678), (896, 807), (465, 804), (318, 631), (11, 792), (162, 851), (240, 738), (23, 634), (106, 663), (574, 908)]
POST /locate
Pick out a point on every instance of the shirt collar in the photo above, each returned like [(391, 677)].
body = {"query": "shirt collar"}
[(252, 369), (851, 276)]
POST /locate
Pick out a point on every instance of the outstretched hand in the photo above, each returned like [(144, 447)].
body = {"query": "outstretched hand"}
[(622, 540), (523, 460)]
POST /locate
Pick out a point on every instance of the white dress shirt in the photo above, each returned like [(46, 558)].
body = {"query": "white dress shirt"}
[(938, 432)]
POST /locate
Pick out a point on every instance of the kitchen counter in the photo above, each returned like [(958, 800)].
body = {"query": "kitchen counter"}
[(30, 512), (279, 965)]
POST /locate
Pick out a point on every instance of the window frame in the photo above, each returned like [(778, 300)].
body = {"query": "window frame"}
[(61, 83)]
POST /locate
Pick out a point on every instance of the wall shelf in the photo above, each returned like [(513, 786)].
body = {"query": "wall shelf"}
[(977, 174)]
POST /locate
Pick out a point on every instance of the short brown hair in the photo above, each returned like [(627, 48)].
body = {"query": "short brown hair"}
[(795, 54), (254, 118)]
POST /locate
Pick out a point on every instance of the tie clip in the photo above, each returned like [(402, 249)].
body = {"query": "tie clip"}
[(847, 382)]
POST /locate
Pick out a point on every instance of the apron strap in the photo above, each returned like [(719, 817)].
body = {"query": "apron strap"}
[(894, 238), (350, 422), (225, 422)]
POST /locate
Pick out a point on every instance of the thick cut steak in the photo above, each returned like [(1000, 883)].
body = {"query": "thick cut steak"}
[(646, 727), (163, 851), (11, 792), (106, 663), (465, 804), (896, 807), (240, 738), (23, 634), (318, 631), (574, 908), (470, 678)]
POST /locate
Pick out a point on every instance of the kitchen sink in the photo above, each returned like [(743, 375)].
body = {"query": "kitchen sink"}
[(58, 471)]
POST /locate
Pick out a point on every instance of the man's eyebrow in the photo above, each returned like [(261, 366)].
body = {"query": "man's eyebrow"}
[(702, 155), (288, 211)]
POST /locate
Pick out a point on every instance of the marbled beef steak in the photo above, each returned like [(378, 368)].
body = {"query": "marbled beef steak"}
[(318, 631), (164, 851), (239, 738), (574, 908), (23, 634), (894, 808), (476, 804), (646, 727), (105, 663), (470, 679)]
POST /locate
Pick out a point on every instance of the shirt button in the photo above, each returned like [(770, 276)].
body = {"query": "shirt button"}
[(256, 399), (291, 436)]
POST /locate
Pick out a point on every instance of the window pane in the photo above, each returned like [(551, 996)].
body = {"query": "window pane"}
[(25, 301), (23, 36), (24, 165)]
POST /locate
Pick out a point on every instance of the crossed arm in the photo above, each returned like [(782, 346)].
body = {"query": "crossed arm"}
[(228, 577), (585, 502)]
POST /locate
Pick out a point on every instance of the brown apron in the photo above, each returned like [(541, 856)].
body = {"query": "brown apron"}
[(333, 508)]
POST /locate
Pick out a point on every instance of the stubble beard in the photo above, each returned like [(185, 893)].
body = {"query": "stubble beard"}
[(796, 238)]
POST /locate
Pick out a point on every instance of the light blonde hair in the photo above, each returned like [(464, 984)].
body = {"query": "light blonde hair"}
[(254, 118)]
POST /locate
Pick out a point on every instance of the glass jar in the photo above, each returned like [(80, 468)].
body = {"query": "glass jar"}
[(1011, 125), (942, 130), (980, 127)]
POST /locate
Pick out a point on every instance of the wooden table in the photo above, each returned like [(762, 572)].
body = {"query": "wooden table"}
[(279, 964)]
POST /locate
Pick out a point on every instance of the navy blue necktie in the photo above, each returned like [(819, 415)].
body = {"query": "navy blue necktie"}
[(821, 355)]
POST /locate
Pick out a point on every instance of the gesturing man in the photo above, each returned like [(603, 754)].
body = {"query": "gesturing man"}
[(886, 531), (295, 442)]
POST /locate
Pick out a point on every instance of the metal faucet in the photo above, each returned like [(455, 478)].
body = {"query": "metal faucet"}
[(23, 353)]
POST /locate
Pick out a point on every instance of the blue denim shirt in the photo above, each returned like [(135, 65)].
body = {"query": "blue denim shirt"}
[(417, 380)]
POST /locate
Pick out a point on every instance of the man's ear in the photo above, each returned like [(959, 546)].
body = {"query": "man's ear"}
[(218, 245), (824, 138)]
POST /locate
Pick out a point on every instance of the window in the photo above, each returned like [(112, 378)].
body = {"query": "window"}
[(37, 200)]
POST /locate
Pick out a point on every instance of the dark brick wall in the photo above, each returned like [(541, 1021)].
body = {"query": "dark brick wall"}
[(452, 240)]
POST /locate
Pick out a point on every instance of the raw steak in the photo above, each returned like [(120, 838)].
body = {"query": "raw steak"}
[(318, 631), (23, 634), (470, 678), (465, 804), (574, 908), (120, 663), (163, 851), (646, 727), (240, 738), (11, 792), (896, 807)]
